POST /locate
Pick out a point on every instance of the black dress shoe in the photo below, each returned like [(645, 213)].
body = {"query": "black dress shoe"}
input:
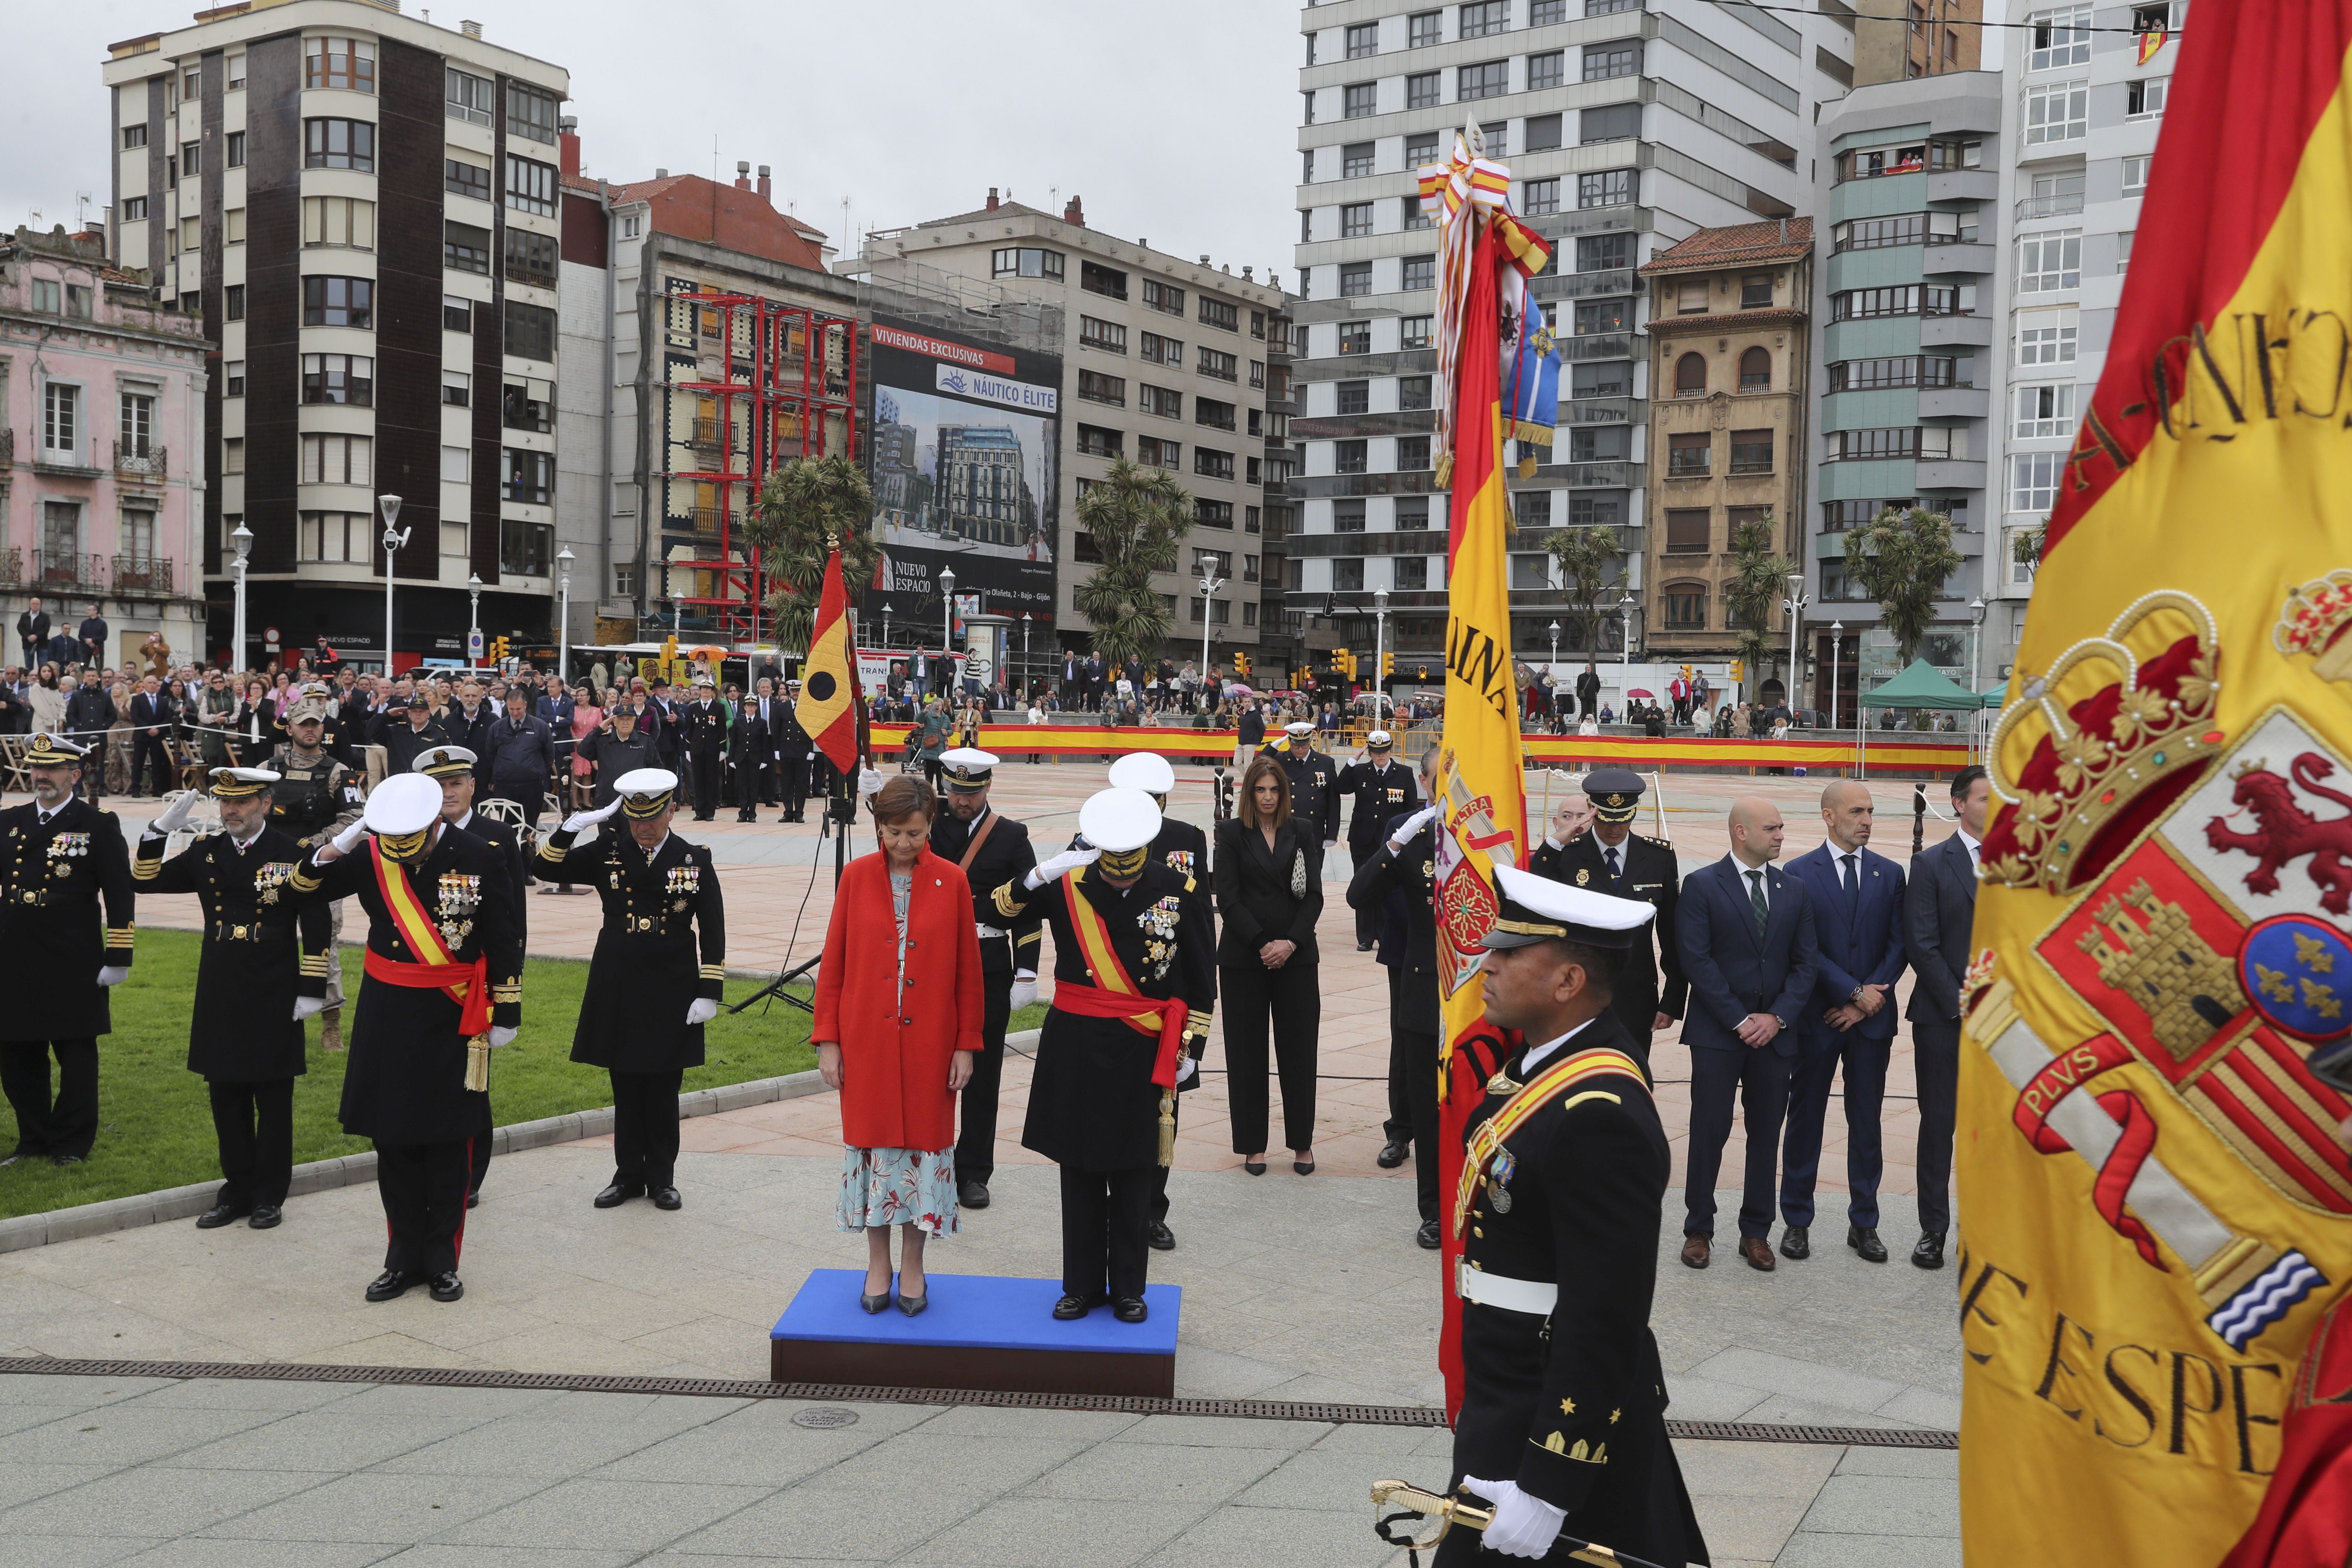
[(1796, 1244), (220, 1215), (617, 1195), (1127, 1309), (667, 1199), (70, 1158), (1391, 1155), (972, 1195), (1930, 1252), (1071, 1307), (1865, 1240), (1160, 1238), (265, 1217), (447, 1287), (1429, 1236), (388, 1284), (1254, 1167), (1363, 947), (474, 1200)]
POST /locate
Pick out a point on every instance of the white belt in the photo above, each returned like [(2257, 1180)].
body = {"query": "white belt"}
[(987, 932), (1533, 1297)]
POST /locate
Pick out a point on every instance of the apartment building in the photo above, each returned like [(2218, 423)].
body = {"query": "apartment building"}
[(1730, 313), (1171, 363), (1909, 299), (102, 412), (1628, 126), (361, 206), (1895, 41), (2080, 126)]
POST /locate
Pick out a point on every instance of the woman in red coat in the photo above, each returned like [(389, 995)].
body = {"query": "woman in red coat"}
[(897, 1051)]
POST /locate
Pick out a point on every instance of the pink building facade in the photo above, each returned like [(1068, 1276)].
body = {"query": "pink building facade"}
[(101, 448)]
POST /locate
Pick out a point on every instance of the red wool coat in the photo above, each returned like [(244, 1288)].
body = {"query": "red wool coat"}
[(895, 1060)]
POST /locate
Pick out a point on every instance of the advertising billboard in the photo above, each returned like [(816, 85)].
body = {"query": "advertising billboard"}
[(966, 469)]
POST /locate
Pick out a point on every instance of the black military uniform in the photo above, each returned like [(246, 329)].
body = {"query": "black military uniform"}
[(1647, 870), (1314, 783), (1382, 790), (705, 748), (990, 850), (795, 754), (263, 948), (1093, 1107), (614, 758), (405, 1087), (401, 742), (1184, 849), (643, 977), (54, 874), (1414, 1023)]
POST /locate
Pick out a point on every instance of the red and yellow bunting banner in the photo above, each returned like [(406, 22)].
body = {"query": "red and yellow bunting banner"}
[(2155, 1058)]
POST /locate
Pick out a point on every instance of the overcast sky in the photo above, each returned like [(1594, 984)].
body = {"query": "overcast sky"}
[(1176, 125)]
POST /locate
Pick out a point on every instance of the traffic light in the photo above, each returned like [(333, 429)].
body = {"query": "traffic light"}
[(1343, 661), (1735, 670), (1388, 665), (497, 650), (1241, 664), (1421, 673)]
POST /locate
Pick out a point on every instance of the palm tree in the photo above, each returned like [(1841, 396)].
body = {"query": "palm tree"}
[(1136, 517), (1903, 559), (1585, 556), (1759, 578), (802, 509)]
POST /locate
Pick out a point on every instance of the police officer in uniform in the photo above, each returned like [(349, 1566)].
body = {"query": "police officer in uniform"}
[(1614, 859), (261, 971), (1314, 780), (705, 748), (1182, 848), (60, 858), (794, 752), (453, 768), (1383, 791), (1102, 1105), (991, 850), (649, 994), (1405, 862), (440, 907), (1563, 1426), (317, 796)]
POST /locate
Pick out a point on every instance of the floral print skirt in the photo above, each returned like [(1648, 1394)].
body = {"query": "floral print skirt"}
[(897, 1187)]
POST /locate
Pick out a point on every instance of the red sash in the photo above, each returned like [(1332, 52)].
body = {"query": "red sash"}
[(1094, 1002), (468, 984)]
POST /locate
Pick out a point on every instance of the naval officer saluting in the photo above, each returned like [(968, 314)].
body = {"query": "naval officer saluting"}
[(1562, 1424), (1614, 859)]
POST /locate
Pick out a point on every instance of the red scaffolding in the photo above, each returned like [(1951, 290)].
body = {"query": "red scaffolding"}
[(789, 372)]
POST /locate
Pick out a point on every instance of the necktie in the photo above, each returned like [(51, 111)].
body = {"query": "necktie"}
[(1845, 868), (1615, 871), (1756, 899)]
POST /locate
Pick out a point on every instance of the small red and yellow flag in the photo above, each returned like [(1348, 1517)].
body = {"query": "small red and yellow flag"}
[(828, 709), (2150, 43)]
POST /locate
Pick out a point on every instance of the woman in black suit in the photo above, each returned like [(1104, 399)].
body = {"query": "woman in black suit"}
[(1270, 893)]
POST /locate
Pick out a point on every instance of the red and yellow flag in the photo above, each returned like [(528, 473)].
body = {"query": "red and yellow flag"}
[(2157, 1212), (828, 709)]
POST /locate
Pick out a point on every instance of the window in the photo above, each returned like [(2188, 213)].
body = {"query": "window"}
[(1216, 414), (135, 422), (2048, 261), (1876, 232), (61, 418), (1422, 91), (2057, 111), (531, 186), (1419, 272), (1546, 71), (1159, 452), (529, 476), (1612, 188), (1904, 300), (1686, 606), (347, 379), (1356, 161), (2136, 173), (1751, 451), (456, 389), (1603, 61), (338, 460), (1216, 514), (236, 149), (233, 378), (1756, 370), (1159, 401), (338, 144), (1412, 573), (1603, 316), (525, 549), (1363, 39), (77, 301), (1360, 99), (529, 331), (464, 246), (2045, 337), (1490, 79), (1424, 29), (1355, 396), (134, 209), (1109, 336), (1411, 454), (1107, 281), (530, 113), (1481, 18), (1544, 12), (1213, 465), (1355, 279), (1355, 220), (347, 63), (460, 178), (1413, 392), (1542, 132), (530, 258), (1413, 513), (338, 537), (2046, 410), (192, 234), (1418, 149), (1413, 332), (1156, 350), (2145, 99), (1531, 569), (1691, 456), (1356, 336), (1096, 442), (235, 72), (1096, 387), (1410, 215), (348, 222), (633, 225), (1257, 380), (469, 97), (1604, 253), (1932, 442), (133, 136), (2033, 479), (2124, 250), (2058, 39), (233, 302), (456, 315), (1538, 197), (1689, 531), (1346, 517), (1348, 574), (1756, 291), (1164, 297), (1349, 457), (337, 302), (528, 405)]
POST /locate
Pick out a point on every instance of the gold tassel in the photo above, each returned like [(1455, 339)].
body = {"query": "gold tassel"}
[(1526, 463), (1167, 1127), (477, 1064), (1444, 472)]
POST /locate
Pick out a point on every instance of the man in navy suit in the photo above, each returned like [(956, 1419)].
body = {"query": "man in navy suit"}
[(1857, 898), (1746, 930), (1939, 907)]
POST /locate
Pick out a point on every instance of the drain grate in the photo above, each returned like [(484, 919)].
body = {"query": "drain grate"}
[(830, 1395)]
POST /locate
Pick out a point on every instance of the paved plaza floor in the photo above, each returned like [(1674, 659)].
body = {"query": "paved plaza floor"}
[(1294, 1290)]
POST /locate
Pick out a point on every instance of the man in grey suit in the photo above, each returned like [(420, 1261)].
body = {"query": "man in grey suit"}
[(1939, 909)]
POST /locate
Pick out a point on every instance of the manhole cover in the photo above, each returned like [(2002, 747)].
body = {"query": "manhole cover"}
[(825, 1419)]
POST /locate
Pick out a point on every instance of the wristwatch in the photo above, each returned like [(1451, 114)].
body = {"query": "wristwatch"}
[(1855, 997)]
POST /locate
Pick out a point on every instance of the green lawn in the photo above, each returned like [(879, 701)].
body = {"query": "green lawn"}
[(156, 1125)]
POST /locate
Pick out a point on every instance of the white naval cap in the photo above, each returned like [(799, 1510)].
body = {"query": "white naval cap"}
[(1379, 740), (1116, 821), (402, 804), (1146, 770), (966, 768), (236, 784), (1300, 727), (445, 762), (644, 792), (1536, 908)]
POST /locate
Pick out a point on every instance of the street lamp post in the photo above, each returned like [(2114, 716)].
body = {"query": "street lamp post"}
[(389, 507), (242, 539), (1796, 626), (1210, 583), (1025, 618), (1837, 651), (1379, 650), (473, 615), (563, 559), (1625, 608), (1976, 627), (947, 626)]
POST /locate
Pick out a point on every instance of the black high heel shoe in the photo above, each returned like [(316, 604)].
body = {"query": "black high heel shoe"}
[(1254, 1167), (1304, 1167), (875, 1303)]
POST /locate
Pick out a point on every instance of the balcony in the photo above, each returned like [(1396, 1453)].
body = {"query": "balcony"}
[(11, 562), (144, 577), (70, 573), (2065, 206), (1597, 345), (8, 448), (710, 435), (139, 463), (1950, 331)]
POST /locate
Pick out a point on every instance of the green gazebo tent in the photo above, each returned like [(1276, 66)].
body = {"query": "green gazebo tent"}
[(1922, 686)]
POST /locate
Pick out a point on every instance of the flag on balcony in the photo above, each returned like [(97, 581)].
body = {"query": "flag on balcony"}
[(2151, 42), (2154, 1053), (828, 709)]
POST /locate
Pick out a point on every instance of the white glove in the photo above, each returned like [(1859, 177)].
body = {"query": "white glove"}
[(113, 974), (1060, 866), (1523, 1526), (1025, 988), (502, 1035), (584, 819), (351, 838), (1186, 1069), (174, 813), (869, 783), (1412, 825), (309, 1008), (702, 1010)]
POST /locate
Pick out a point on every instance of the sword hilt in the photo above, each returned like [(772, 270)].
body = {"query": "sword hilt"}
[(1449, 1512)]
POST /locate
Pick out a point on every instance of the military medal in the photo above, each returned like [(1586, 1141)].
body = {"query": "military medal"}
[(1497, 1173)]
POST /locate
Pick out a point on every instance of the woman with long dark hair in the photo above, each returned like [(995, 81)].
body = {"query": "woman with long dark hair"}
[(1269, 893)]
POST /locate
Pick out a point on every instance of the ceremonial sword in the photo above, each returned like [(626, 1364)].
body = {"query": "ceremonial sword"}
[(1452, 1510)]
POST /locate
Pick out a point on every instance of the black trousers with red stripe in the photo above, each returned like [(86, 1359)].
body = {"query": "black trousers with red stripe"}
[(424, 1190)]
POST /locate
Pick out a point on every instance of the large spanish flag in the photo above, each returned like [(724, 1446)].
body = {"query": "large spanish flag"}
[(2156, 1211)]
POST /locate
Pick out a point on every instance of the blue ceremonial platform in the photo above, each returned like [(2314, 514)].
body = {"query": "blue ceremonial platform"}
[(981, 1331)]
